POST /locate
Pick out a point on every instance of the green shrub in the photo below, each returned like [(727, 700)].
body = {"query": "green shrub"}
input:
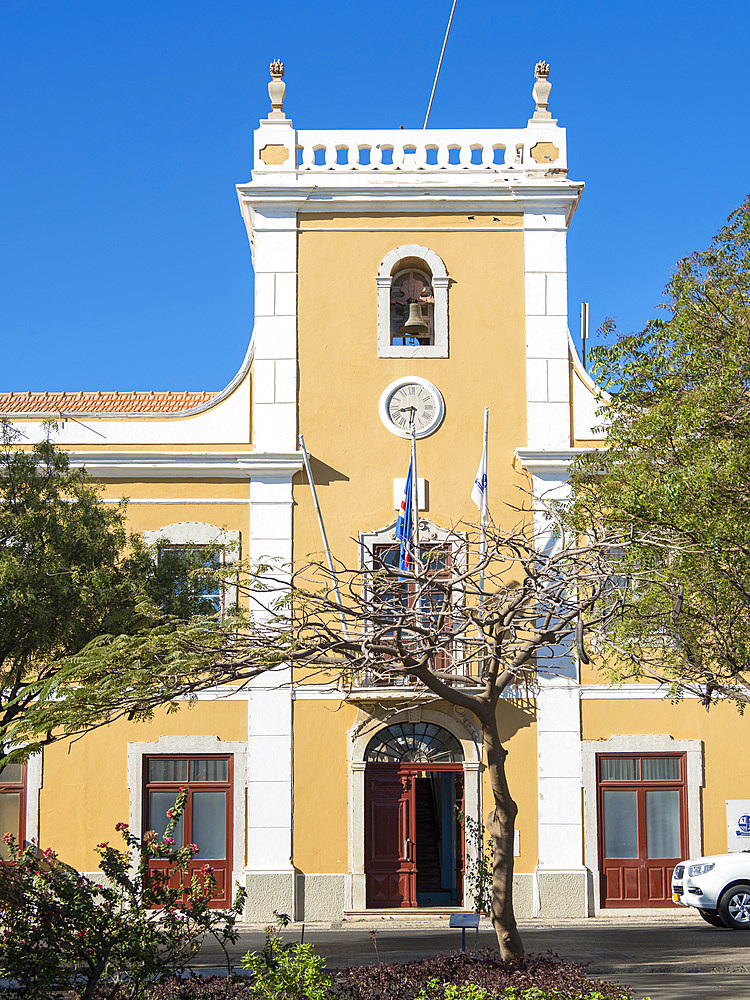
[(435, 990), (479, 862), (289, 971), (63, 931)]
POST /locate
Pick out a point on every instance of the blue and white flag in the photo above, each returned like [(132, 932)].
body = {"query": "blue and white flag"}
[(404, 523), (479, 489)]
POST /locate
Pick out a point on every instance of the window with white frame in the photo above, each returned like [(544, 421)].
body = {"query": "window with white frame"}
[(214, 772), (196, 558), (412, 284)]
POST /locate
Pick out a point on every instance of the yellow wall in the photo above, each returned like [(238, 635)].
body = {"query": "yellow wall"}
[(84, 792), (321, 782), (321, 795), (145, 516), (518, 733), (342, 378), (725, 746)]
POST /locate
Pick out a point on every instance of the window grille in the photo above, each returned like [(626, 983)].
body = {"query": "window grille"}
[(414, 742)]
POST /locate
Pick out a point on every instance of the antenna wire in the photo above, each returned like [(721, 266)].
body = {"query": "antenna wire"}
[(440, 63)]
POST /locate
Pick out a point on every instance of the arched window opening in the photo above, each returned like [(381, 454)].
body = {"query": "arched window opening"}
[(414, 743), (412, 309), (412, 283)]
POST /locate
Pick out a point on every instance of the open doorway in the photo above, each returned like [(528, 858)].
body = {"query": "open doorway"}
[(414, 840)]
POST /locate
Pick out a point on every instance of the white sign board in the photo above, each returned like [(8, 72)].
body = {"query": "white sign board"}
[(738, 824)]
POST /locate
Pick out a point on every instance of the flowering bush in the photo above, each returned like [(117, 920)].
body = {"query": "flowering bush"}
[(62, 930)]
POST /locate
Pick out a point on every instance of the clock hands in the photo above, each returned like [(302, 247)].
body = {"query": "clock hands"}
[(412, 410)]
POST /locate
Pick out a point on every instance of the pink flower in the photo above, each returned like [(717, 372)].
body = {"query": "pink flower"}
[(103, 846), (170, 813), (8, 838), (194, 848), (122, 826), (169, 840)]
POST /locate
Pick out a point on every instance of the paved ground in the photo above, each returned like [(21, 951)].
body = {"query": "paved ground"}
[(666, 959)]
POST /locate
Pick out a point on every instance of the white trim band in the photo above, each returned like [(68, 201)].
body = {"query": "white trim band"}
[(178, 464)]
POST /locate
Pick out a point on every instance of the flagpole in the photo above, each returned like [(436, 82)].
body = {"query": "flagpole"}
[(414, 491), (323, 535), (483, 521)]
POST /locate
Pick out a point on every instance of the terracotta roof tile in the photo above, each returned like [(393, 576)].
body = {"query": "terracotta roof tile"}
[(75, 403)]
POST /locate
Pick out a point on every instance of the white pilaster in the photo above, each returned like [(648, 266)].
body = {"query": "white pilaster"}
[(269, 785), (559, 776), (275, 331), (547, 366), (558, 722)]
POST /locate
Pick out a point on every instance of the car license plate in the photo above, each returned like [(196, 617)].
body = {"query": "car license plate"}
[(675, 897)]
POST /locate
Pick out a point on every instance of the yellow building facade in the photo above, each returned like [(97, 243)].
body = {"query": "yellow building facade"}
[(289, 782)]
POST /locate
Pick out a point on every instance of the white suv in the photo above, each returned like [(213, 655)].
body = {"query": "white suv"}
[(718, 887)]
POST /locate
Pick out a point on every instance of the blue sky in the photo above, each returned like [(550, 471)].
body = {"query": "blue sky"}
[(124, 261)]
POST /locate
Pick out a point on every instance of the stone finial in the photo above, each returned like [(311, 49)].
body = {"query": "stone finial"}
[(277, 89), (541, 91)]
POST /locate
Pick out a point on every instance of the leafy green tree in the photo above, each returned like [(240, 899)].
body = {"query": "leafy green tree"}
[(69, 573), (676, 473)]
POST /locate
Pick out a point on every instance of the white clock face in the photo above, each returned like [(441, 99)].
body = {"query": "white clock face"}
[(411, 399)]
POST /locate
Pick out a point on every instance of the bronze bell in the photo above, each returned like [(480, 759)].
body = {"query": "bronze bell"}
[(415, 326)]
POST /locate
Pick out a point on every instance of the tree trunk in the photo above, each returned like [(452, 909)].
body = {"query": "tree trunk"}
[(500, 826)]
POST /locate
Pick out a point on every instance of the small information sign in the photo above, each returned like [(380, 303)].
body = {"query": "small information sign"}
[(464, 920), (738, 824)]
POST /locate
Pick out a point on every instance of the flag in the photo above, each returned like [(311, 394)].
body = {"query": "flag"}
[(404, 523), (479, 489)]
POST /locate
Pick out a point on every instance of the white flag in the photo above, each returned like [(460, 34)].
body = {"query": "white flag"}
[(479, 489)]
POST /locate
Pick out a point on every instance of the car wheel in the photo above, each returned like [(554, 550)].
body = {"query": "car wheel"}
[(734, 907), (712, 918)]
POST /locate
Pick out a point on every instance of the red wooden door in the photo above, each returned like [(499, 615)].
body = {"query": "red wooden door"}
[(206, 821), (642, 829), (390, 850)]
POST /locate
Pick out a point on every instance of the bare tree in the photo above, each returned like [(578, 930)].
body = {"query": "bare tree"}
[(467, 627), (466, 624)]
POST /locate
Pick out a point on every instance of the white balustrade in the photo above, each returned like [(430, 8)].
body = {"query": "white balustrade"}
[(414, 150)]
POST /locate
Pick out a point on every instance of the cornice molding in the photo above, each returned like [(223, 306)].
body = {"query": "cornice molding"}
[(490, 193), (535, 461), (182, 464)]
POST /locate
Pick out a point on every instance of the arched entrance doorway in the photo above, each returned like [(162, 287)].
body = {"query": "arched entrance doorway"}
[(414, 792)]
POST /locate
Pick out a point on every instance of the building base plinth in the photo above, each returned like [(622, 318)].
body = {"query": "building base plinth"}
[(266, 892)]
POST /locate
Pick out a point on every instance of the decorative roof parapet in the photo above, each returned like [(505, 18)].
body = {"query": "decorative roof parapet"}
[(44, 404), (537, 149)]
